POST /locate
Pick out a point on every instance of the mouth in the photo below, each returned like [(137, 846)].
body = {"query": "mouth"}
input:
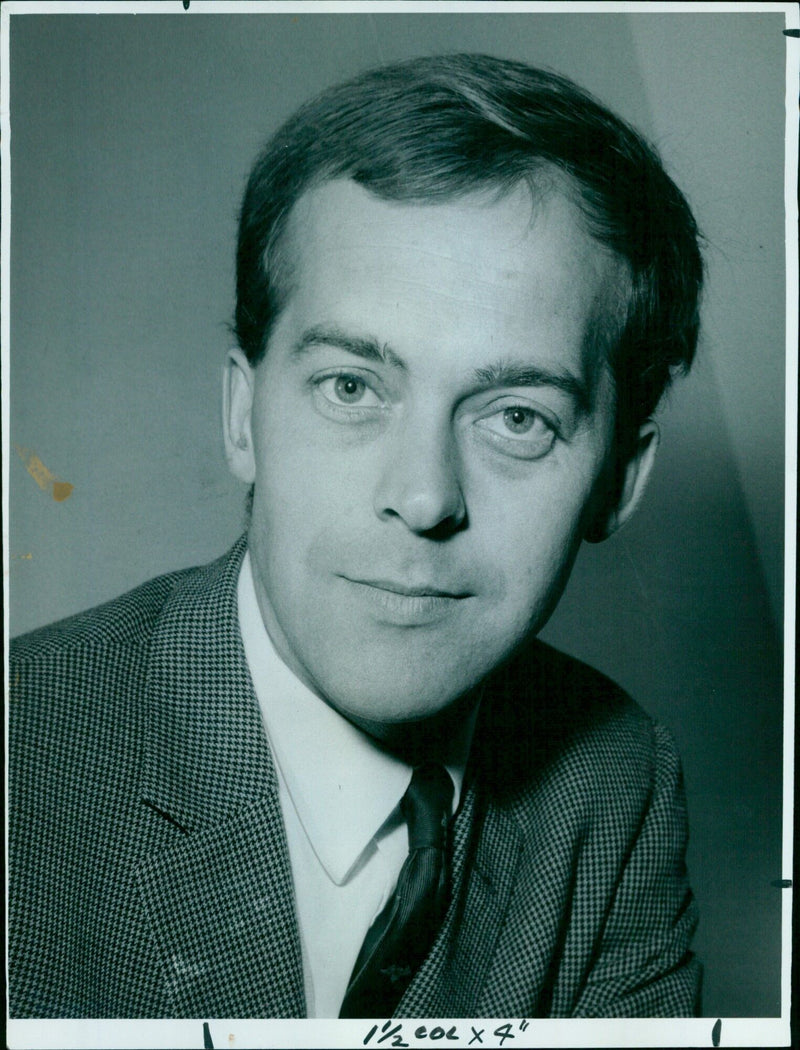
[(404, 604), (420, 591)]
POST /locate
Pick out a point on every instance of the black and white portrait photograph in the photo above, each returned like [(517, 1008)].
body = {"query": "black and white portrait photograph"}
[(399, 499)]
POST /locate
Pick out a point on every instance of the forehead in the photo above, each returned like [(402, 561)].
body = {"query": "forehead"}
[(512, 274)]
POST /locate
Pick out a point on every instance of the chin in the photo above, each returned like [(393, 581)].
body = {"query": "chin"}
[(382, 711), (392, 711)]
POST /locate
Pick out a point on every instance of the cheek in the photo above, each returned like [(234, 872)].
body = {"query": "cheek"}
[(307, 510), (534, 557), (530, 539), (533, 516), (289, 471)]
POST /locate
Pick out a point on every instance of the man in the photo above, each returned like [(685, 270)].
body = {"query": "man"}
[(334, 773)]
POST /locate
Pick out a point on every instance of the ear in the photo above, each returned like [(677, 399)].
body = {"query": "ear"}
[(238, 388), (631, 482)]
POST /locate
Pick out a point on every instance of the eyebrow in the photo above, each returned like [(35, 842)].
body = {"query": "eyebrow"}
[(366, 347), (512, 373), (499, 374)]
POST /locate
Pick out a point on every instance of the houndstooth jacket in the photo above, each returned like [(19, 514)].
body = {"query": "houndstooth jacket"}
[(149, 873)]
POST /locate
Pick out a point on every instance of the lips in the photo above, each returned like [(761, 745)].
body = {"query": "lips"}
[(416, 591), (403, 604)]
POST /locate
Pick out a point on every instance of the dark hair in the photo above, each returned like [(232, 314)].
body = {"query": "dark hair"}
[(436, 128)]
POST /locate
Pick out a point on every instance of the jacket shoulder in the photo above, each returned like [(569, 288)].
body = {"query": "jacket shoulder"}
[(123, 620), (553, 717), (75, 685), (549, 693), (89, 669)]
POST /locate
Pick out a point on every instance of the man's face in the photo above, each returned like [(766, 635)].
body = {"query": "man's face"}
[(427, 434)]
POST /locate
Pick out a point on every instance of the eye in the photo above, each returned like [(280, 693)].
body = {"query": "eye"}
[(519, 430), (519, 420), (348, 389)]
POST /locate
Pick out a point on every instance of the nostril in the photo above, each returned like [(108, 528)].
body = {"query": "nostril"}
[(434, 517), (447, 527)]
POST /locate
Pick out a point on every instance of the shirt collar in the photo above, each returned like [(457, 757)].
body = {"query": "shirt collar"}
[(343, 786)]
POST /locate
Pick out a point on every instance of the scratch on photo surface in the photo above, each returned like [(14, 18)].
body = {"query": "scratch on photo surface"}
[(44, 478)]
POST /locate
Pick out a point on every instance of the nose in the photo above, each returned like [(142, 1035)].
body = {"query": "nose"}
[(420, 482)]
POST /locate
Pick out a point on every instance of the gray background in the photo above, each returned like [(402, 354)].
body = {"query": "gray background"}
[(131, 139)]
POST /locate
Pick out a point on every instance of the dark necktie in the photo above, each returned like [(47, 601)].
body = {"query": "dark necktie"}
[(400, 937)]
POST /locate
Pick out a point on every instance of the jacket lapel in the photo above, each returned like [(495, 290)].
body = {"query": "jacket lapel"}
[(220, 896)]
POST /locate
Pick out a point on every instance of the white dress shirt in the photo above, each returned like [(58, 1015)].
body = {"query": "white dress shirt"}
[(339, 794)]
